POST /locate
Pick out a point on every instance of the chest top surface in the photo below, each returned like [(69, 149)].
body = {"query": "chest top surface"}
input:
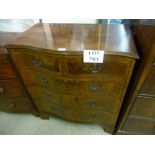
[(74, 38)]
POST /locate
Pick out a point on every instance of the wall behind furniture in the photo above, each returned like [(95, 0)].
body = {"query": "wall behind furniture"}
[(20, 25), (16, 25)]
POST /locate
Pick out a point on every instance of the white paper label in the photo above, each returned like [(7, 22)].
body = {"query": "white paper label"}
[(61, 49), (93, 56)]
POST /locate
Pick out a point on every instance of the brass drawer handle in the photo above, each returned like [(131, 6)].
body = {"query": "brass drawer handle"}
[(43, 80), (94, 87), (92, 103), (2, 90), (94, 69), (37, 63)]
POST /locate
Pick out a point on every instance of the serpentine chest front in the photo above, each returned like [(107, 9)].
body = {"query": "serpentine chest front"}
[(61, 84)]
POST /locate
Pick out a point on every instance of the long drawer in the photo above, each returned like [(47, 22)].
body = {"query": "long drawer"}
[(11, 88), (95, 87), (22, 104), (46, 97), (144, 107), (84, 116), (139, 126), (79, 114)]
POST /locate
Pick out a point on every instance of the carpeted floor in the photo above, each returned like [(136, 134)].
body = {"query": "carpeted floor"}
[(26, 124)]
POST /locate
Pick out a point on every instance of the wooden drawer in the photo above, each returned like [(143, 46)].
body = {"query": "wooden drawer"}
[(16, 105), (11, 88), (85, 86), (83, 116), (139, 126), (46, 97), (6, 70), (148, 87), (144, 107), (113, 66), (96, 87), (106, 103), (33, 59), (78, 114)]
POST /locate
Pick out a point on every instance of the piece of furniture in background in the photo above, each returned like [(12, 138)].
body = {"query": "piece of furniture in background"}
[(138, 114), (49, 59), (129, 22), (13, 96)]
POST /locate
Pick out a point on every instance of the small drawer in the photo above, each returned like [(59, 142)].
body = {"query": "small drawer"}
[(16, 105), (112, 66), (144, 107), (139, 126), (33, 59), (91, 116), (11, 88), (6, 70)]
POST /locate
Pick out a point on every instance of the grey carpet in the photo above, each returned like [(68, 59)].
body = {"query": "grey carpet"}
[(26, 124)]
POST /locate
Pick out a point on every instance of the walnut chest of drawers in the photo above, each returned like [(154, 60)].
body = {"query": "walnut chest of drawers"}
[(13, 95), (49, 59)]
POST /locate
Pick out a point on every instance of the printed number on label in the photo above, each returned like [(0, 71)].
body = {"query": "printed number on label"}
[(93, 56)]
